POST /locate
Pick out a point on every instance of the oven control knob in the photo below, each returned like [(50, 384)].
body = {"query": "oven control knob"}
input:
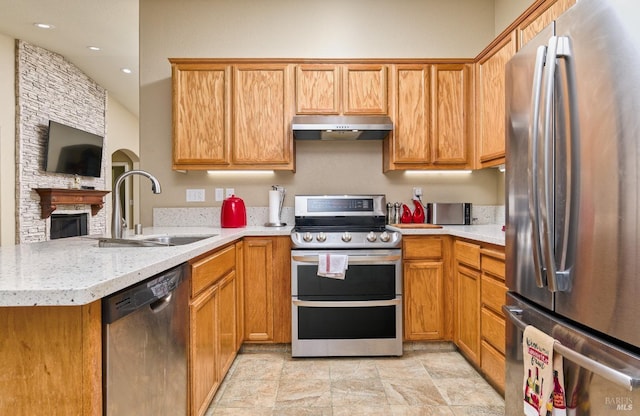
[(307, 237), (346, 237), (322, 237), (371, 237), (385, 236)]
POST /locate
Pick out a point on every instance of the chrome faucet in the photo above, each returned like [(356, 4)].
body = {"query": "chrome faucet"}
[(117, 220)]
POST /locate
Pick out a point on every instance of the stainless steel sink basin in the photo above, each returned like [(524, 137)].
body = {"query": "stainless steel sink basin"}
[(156, 241)]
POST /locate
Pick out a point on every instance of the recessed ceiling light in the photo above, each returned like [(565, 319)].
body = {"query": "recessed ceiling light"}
[(126, 70), (93, 48), (44, 25)]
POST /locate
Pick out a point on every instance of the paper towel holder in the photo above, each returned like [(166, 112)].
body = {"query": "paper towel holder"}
[(282, 191)]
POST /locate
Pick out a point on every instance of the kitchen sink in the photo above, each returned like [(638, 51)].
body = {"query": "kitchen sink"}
[(155, 241)]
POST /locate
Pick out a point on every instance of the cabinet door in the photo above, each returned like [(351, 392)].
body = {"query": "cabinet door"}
[(541, 18), (203, 371), (409, 144), (258, 289), (318, 89), (451, 112), (201, 115), (468, 321), (490, 95), (423, 300), (262, 116), (226, 323), (364, 89), (267, 289)]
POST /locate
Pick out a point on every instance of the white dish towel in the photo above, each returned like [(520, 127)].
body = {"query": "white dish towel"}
[(333, 265)]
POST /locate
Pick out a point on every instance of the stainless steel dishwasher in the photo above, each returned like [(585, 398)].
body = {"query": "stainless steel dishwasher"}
[(145, 336)]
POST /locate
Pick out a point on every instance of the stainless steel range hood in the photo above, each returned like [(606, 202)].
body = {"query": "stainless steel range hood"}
[(341, 127)]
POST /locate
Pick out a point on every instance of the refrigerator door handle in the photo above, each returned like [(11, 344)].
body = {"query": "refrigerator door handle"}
[(514, 314), (558, 47), (533, 162)]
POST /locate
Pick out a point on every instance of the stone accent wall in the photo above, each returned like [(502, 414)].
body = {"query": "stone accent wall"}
[(48, 87)]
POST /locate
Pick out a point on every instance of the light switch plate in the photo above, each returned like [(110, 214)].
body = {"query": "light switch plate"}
[(195, 195), (229, 192), (219, 194)]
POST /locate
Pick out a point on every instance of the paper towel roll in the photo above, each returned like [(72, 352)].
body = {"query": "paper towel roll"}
[(274, 207)]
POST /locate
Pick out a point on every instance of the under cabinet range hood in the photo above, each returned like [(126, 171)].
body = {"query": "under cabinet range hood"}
[(341, 127)]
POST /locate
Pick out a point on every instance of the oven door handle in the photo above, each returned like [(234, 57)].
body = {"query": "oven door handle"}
[(346, 304), (352, 259)]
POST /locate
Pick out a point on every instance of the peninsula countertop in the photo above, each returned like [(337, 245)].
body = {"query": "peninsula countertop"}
[(75, 271)]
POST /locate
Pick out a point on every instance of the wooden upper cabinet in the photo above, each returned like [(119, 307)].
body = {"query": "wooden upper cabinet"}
[(318, 89), (201, 122), (408, 146), (490, 93), (365, 89), (262, 116), (451, 114), (341, 89), (541, 18)]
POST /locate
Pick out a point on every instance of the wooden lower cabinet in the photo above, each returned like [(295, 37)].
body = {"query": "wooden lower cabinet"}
[(51, 360), (493, 322), (467, 299), (481, 292), (424, 288), (213, 324), (267, 289)]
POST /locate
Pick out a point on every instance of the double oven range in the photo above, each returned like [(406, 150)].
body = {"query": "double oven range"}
[(358, 313)]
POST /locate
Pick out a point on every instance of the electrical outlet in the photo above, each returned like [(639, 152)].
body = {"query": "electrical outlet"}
[(195, 195), (219, 194), (229, 191), (417, 192)]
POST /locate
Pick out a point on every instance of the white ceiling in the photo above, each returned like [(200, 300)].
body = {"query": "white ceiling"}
[(111, 25)]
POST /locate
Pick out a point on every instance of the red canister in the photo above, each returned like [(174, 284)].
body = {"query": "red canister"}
[(233, 213)]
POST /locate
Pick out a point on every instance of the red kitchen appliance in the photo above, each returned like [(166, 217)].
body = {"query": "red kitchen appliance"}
[(233, 213)]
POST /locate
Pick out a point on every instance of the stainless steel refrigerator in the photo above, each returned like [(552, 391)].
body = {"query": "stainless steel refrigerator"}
[(573, 204)]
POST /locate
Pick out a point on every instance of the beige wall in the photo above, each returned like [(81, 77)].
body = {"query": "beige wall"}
[(507, 11), (288, 28), (7, 141)]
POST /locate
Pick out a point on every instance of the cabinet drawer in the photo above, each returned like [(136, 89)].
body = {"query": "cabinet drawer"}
[(422, 248), (468, 253), (493, 263), (493, 294), (492, 364), (493, 329), (208, 270)]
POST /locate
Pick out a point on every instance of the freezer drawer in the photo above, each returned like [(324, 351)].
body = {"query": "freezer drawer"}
[(600, 378)]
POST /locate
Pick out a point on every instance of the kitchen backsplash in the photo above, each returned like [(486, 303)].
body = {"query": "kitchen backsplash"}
[(210, 216)]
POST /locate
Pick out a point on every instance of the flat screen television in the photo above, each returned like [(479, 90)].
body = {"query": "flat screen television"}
[(73, 151)]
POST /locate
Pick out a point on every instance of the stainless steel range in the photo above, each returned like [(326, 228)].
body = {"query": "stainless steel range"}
[(346, 278)]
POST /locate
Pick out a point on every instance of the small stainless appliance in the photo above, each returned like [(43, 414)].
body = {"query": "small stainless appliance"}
[(572, 235), (359, 314), (449, 213), (145, 347)]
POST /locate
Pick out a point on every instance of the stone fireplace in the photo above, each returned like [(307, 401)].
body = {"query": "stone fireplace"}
[(48, 87)]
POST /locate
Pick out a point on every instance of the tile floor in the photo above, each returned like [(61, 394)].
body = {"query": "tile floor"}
[(431, 382)]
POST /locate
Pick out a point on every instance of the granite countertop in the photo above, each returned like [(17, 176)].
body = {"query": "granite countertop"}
[(488, 233), (75, 271)]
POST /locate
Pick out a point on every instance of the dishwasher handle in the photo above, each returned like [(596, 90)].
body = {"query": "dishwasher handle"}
[(158, 305)]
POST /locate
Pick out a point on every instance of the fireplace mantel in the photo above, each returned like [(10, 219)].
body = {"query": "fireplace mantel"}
[(50, 198)]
